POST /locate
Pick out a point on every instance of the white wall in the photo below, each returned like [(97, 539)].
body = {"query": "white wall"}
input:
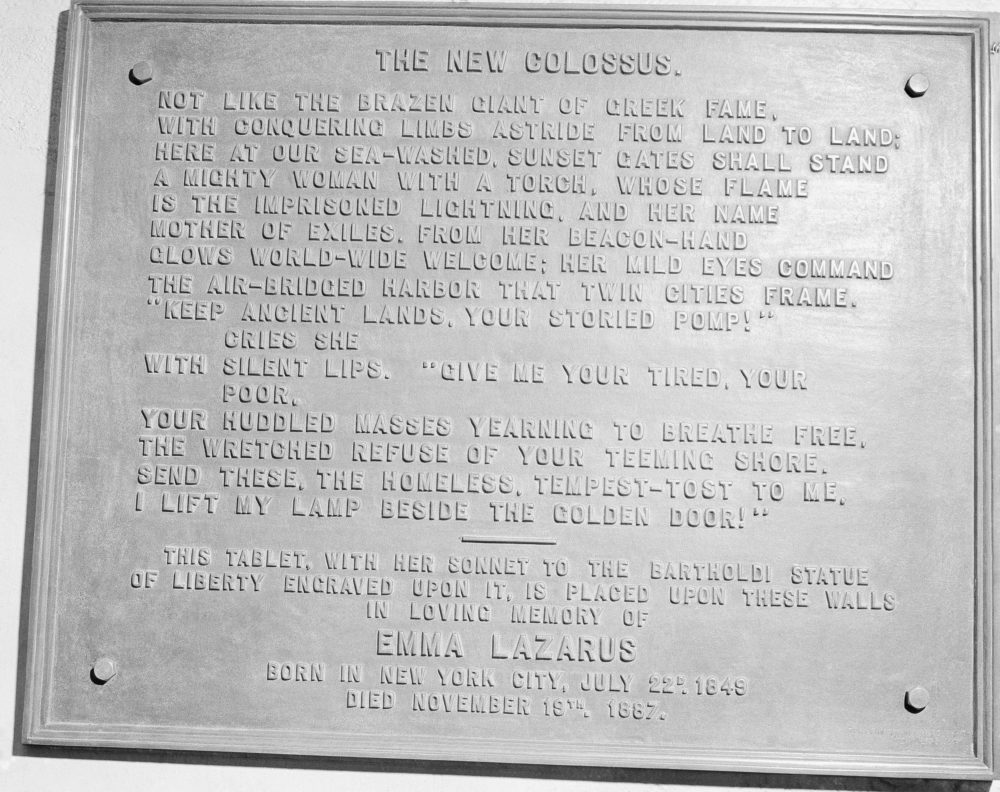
[(28, 30)]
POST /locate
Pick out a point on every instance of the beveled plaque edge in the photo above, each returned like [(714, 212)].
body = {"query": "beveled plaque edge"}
[(989, 394), (983, 28), (47, 528)]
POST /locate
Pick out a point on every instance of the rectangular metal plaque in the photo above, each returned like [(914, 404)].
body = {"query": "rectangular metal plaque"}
[(521, 384)]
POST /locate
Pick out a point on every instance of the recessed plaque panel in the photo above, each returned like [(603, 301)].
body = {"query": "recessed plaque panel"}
[(520, 385)]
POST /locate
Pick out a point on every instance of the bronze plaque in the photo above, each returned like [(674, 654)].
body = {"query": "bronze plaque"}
[(521, 384)]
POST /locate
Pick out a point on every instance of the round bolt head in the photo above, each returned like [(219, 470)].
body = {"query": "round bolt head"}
[(141, 73), (917, 85), (104, 669), (917, 699)]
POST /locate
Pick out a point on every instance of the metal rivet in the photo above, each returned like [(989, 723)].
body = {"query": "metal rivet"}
[(141, 73), (917, 85), (104, 669), (917, 699)]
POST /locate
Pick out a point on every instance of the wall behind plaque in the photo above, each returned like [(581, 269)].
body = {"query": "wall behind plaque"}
[(28, 59)]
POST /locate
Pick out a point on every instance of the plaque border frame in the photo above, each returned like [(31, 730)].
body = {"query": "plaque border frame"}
[(981, 27)]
